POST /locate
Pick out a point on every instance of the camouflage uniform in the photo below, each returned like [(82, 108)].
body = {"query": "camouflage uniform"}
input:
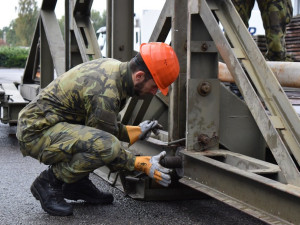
[(72, 124), (276, 14)]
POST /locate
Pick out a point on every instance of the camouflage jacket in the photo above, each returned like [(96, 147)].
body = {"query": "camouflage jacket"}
[(90, 94)]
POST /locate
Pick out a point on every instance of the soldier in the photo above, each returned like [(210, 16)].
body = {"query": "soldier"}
[(72, 126), (276, 14)]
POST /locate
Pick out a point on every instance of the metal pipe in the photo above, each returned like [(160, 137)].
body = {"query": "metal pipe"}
[(287, 73)]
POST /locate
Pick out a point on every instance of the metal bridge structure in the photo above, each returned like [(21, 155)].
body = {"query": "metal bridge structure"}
[(243, 152)]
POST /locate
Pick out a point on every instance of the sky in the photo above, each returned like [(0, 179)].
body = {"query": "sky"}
[(9, 12)]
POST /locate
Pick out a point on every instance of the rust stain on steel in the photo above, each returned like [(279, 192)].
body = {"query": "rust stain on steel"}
[(206, 142)]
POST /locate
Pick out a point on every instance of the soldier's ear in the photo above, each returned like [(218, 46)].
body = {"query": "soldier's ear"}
[(139, 75)]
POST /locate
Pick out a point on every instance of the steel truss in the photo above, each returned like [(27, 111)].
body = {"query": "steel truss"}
[(225, 154), (215, 172)]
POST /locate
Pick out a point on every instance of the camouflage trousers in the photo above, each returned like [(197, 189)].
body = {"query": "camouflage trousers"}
[(76, 150), (276, 14)]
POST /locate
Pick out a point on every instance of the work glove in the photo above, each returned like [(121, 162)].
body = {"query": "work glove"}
[(150, 166), (143, 130), (146, 127)]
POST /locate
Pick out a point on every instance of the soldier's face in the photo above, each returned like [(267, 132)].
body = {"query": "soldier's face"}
[(143, 88)]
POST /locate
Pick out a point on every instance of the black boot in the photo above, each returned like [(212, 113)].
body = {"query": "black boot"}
[(85, 190), (48, 190)]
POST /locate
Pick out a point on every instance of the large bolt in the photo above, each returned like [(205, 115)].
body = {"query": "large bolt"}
[(204, 88), (121, 48), (204, 47)]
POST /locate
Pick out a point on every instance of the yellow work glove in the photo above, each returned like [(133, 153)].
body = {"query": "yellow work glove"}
[(143, 130), (150, 166)]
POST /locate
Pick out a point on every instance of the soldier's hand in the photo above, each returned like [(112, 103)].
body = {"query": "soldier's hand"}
[(151, 166), (146, 127), (143, 130)]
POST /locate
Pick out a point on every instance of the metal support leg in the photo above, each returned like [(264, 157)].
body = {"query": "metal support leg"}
[(177, 109), (122, 30), (203, 97)]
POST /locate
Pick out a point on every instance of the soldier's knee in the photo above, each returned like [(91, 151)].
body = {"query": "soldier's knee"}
[(115, 147), (108, 148)]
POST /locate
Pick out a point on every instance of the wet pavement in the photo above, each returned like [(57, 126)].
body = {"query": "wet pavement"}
[(18, 206)]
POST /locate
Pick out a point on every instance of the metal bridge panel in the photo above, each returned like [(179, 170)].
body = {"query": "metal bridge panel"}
[(262, 76), (270, 134)]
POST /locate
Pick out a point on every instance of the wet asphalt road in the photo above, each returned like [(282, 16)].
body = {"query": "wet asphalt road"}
[(18, 206)]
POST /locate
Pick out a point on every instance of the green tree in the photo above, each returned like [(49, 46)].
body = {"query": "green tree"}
[(10, 32), (26, 21), (98, 20), (1, 34), (61, 23)]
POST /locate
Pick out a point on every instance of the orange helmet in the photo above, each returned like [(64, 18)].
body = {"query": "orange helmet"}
[(162, 63)]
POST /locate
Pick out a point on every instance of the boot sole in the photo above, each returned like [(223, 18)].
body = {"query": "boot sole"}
[(36, 194), (78, 196)]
